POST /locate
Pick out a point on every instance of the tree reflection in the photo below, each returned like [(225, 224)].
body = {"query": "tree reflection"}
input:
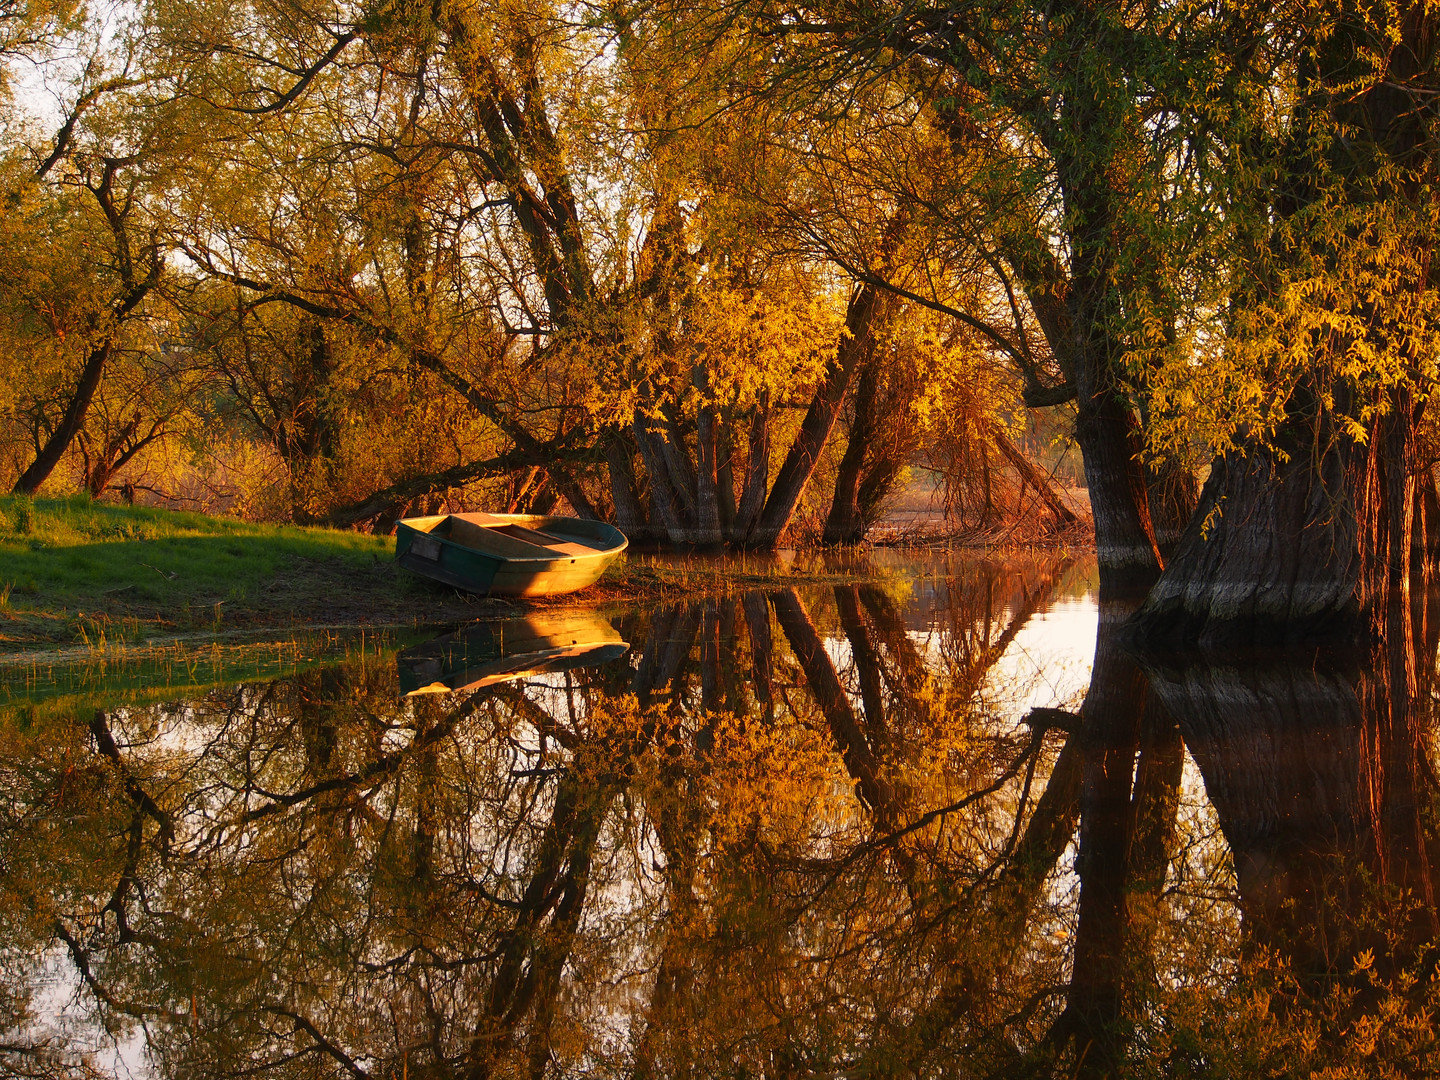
[(794, 835)]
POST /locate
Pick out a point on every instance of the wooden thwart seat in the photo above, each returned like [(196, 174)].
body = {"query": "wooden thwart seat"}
[(508, 538), (542, 539)]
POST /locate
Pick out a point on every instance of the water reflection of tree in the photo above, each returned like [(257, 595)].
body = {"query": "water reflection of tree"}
[(787, 839)]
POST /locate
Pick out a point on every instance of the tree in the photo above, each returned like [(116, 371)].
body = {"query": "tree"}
[(1314, 516), (1053, 184), (70, 295)]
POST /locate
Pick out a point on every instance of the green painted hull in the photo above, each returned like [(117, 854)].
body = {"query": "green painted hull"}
[(476, 552)]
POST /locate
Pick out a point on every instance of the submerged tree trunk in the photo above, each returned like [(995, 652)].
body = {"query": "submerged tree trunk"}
[(1125, 544), (1313, 537), (1303, 542)]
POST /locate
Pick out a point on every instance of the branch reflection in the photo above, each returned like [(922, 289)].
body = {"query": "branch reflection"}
[(793, 833)]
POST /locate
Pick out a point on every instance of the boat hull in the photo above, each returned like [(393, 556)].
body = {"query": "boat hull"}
[(498, 652), (448, 548)]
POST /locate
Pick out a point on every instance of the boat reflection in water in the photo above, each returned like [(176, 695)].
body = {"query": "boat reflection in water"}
[(498, 652)]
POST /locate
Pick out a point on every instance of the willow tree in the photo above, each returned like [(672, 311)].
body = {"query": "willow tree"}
[(1314, 520), (420, 191), (1052, 155), (86, 246)]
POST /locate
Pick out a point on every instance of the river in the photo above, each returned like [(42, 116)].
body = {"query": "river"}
[(941, 822)]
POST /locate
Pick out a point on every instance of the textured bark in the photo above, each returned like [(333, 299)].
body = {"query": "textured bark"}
[(1272, 550), (725, 478), (1094, 153), (665, 506), (677, 459), (1308, 548), (619, 461), (1318, 544), (1125, 544), (757, 474), (707, 480)]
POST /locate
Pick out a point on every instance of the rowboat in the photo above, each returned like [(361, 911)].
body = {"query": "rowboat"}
[(497, 652), (508, 554)]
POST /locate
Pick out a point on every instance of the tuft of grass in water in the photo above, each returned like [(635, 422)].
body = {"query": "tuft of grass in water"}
[(39, 687)]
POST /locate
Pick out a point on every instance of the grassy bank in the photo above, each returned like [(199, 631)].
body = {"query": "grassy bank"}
[(82, 574), (74, 571)]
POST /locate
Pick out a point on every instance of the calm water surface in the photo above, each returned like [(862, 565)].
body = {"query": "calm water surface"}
[(938, 824)]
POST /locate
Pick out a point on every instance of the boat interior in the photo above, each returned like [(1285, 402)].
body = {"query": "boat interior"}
[(491, 533)]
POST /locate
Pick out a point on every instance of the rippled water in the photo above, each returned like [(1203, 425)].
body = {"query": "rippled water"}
[(918, 826)]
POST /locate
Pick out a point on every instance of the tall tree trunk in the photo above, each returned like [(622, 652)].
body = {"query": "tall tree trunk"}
[(1125, 544), (136, 289), (757, 474), (70, 424), (819, 420), (619, 461), (707, 479), (665, 504), (845, 524), (725, 474), (1307, 541), (1096, 152), (1314, 537), (677, 459)]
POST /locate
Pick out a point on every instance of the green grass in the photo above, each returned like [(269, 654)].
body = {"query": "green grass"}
[(75, 570), (80, 549)]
